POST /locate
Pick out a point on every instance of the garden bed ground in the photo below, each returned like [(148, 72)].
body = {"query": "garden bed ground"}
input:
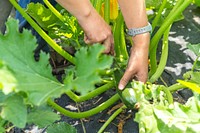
[(179, 61)]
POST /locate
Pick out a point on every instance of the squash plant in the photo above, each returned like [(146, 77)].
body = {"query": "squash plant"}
[(28, 88)]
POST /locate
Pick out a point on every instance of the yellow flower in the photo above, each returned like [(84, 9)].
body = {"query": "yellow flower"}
[(113, 9)]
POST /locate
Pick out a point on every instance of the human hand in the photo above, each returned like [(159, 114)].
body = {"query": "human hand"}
[(97, 31), (137, 67)]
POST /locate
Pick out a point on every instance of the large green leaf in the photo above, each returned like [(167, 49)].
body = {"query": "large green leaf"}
[(14, 110), (179, 119), (195, 48), (193, 86), (88, 63), (42, 118), (192, 76), (44, 17), (33, 78), (61, 128), (7, 79), (158, 116)]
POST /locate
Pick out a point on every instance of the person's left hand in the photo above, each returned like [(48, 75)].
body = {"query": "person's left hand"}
[(137, 67)]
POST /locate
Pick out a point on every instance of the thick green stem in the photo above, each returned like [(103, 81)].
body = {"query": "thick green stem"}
[(123, 43), (154, 41), (175, 87), (92, 2), (51, 42), (98, 5), (163, 58), (195, 62), (112, 117), (156, 19), (54, 11), (169, 95), (107, 11), (92, 94), (117, 34), (85, 114)]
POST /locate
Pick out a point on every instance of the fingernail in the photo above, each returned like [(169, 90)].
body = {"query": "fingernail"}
[(121, 87)]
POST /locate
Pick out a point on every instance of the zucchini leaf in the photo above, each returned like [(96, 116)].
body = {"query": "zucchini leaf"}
[(61, 127), (33, 78), (89, 61), (14, 110), (44, 17), (8, 82), (158, 116), (195, 48), (193, 86), (48, 117)]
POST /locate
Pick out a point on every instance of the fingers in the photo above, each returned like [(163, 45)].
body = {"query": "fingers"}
[(108, 43), (128, 75), (109, 46), (142, 77)]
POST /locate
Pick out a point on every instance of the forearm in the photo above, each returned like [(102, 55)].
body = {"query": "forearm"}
[(77, 8), (134, 12)]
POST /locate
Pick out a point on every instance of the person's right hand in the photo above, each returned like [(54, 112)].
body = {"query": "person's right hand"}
[(97, 31), (137, 67)]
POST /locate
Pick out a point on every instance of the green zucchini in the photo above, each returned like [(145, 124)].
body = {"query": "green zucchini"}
[(127, 95)]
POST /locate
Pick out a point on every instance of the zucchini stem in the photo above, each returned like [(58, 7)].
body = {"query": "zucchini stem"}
[(177, 10), (111, 118), (163, 58), (91, 94), (85, 114), (51, 42)]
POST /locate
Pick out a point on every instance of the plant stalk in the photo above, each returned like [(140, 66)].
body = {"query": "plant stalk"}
[(169, 95), (119, 38), (111, 118), (92, 94), (169, 20), (98, 5), (163, 58), (85, 114), (107, 11), (175, 87), (51, 42), (156, 19), (54, 11)]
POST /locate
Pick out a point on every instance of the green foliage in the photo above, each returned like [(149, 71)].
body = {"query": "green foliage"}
[(61, 127), (67, 29), (44, 17), (159, 116), (153, 4), (14, 110), (42, 117), (88, 63), (8, 82), (197, 2), (24, 81), (195, 48), (31, 77)]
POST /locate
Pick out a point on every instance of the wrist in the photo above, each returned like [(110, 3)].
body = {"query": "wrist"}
[(141, 41), (141, 30)]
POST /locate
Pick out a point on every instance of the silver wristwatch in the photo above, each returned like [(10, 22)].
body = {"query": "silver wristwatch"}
[(136, 31)]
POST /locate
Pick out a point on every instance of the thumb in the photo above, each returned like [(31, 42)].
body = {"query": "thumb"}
[(125, 79)]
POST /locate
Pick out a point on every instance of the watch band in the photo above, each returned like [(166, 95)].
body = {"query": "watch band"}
[(136, 31)]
